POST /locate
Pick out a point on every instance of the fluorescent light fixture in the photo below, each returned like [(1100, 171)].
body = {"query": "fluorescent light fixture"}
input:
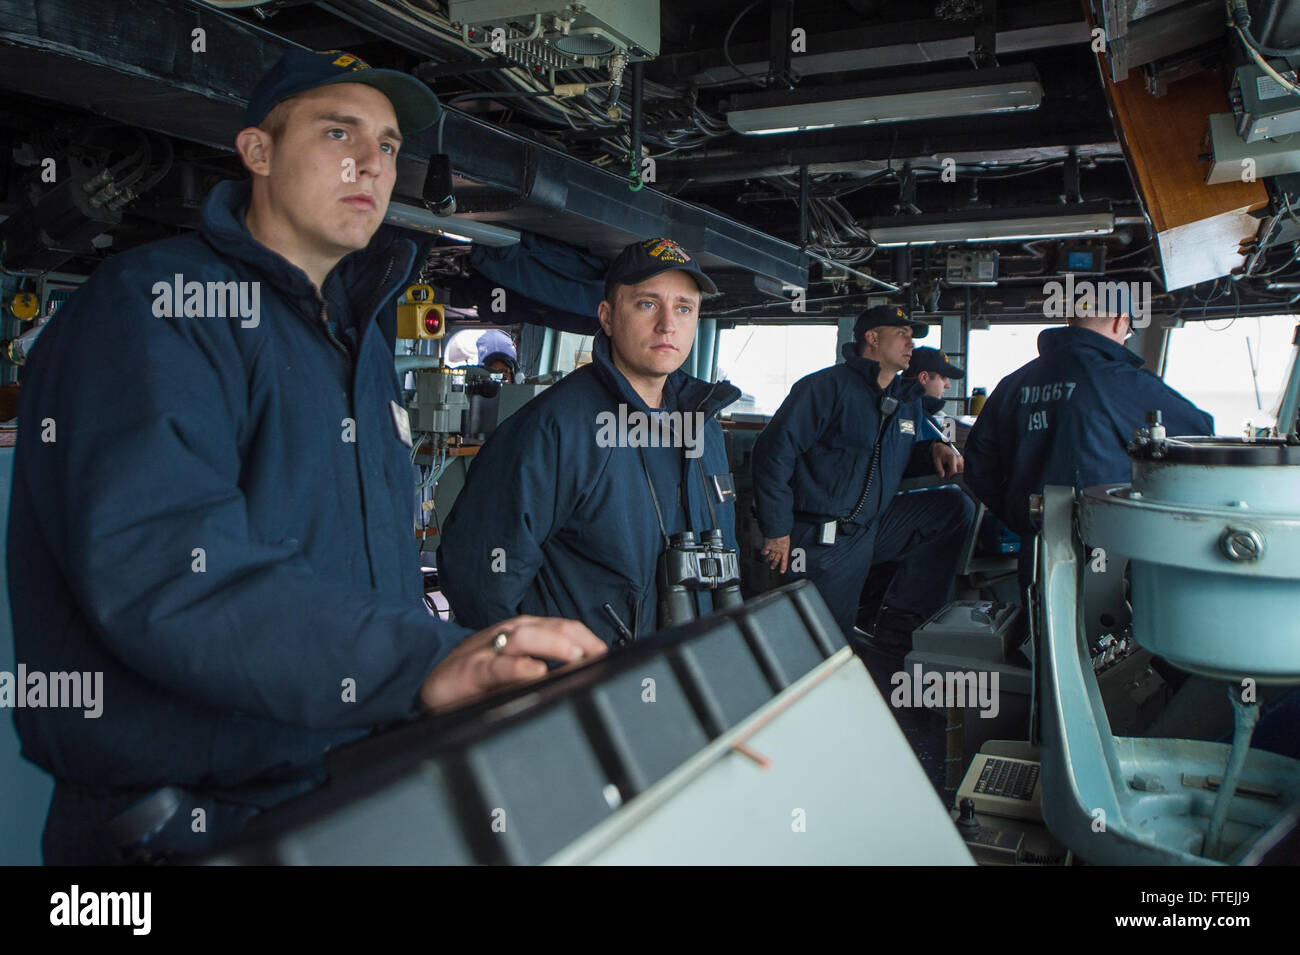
[(1049, 222), (966, 93), (466, 230)]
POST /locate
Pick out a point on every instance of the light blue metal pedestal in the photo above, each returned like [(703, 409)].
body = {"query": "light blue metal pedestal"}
[(1124, 801)]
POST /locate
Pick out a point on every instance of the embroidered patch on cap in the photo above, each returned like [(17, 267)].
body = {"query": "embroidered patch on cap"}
[(666, 250), (347, 59)]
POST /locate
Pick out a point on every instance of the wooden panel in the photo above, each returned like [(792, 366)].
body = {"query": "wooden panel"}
[(1199, 227), (1163, 137)]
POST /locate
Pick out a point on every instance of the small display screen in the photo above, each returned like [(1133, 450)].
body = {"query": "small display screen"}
[(1079, 261)]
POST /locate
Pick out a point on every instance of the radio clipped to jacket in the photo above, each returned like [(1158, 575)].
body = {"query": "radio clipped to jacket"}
[(827, 531)]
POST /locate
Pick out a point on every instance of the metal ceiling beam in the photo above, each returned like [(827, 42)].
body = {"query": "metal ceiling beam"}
[(133, 61), (1050, 133), (527, 185), (881, 45)]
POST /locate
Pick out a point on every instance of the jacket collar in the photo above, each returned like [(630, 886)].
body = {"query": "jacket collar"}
[(387, 260), (1075, 337), (904, 389), (691, 393), (868, 369), (932, 406)]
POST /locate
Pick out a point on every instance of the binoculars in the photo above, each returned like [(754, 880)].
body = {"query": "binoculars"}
[(688, 565)]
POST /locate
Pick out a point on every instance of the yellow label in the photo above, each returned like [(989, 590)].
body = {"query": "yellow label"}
[(347, 59), (24, 305)]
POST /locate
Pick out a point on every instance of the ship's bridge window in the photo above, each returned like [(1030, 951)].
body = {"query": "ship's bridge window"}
[(572, 351), (993, 353), (763, 361), (1232, 368)]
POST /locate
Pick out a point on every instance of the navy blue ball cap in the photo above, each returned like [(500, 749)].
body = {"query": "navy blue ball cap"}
[(933, 361), (643, 260), (879, 315), (298, 71)]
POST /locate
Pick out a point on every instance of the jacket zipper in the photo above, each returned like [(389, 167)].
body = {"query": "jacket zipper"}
[(329, 333), (388, 270), (324, 312)]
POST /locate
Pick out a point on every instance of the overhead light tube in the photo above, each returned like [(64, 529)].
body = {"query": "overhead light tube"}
[(455, 227), (947, 230), (968, 93)]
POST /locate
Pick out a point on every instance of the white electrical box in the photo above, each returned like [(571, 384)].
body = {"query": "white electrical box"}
[(972, 268), (594, 28)]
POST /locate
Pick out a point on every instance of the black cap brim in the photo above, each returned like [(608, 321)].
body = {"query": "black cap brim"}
[(919, 329), (928, 359), (705, 283), (414, 104)]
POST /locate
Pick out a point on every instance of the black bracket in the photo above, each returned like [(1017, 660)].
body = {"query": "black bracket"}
[(1072, 188), (986, 37), (782, 25), (437, 190), (803, 207), (907, 193)]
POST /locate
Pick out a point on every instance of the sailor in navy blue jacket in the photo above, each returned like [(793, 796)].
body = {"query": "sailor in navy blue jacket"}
[(818, 512), (938, 374), (212, 500), (1066, 417), (559, 515)]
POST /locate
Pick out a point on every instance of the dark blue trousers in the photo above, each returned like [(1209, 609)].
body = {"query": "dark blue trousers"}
[(923, 530)]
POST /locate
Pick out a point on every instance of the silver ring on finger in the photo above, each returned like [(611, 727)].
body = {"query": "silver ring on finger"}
[(499, 642)]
